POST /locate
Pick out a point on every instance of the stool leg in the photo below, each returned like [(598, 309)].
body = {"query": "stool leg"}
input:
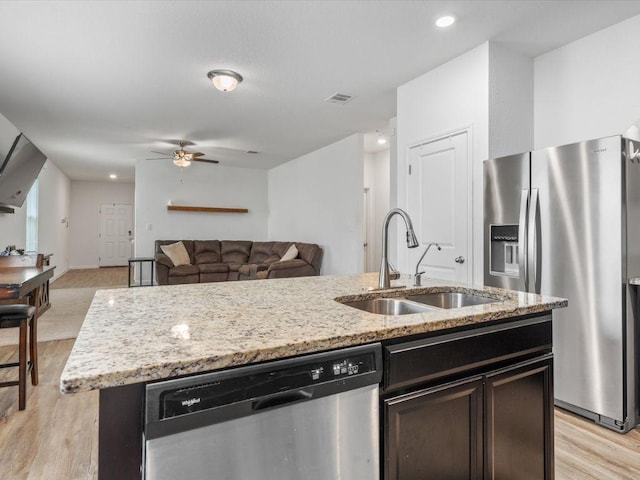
[(22, 367), (33, 349), (33, 334)]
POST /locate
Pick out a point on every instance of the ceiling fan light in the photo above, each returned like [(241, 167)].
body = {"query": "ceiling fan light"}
[(225, 80), (181, 162)]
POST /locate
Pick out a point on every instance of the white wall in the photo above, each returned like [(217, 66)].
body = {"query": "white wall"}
[(54, 194), (199, 185), (317, 198), (450, 97), (84, 218), (53, 206), (589, 88), (510, 101), (376, 179)]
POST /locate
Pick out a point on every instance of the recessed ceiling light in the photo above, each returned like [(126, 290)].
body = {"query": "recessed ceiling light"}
[(113, 176), (445, 21)]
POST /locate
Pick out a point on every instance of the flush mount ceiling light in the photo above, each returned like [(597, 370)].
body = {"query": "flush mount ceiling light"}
[(445, 21), (225, 80), (113, 176), (381, 140)]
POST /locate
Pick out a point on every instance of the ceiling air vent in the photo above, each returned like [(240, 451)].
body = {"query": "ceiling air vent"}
[(340, 98)]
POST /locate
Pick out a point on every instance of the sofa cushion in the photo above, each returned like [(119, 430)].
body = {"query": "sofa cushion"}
[(271, 259), (184, 270), (183, 274), (162, 259), (207, 251), (280, 248), (310, 253), (291, 253), (250, 269), (260, 251), (207, 257), (262, 275), (235, 251), (177, 253), (290, 268), (213, 268)]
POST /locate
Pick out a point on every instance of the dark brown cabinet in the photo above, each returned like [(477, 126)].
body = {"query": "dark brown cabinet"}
[(493, 420), (436, 433), (519, 422)]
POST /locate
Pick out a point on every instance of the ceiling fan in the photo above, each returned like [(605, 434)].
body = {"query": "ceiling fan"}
[(183, 158)]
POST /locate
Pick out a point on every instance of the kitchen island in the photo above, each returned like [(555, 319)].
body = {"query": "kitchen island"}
[(134, 336)]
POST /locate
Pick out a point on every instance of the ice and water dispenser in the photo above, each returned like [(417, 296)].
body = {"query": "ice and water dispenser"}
[(504, 250)]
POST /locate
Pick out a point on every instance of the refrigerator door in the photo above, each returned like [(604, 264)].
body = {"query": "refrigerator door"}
[(576, 253), (506, 200)]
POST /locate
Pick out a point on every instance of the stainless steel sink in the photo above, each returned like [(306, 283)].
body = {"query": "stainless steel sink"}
[(450, 299), (388, 306)]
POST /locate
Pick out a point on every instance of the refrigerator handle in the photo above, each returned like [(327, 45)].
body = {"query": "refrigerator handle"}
[(522, 239), (533, 242)]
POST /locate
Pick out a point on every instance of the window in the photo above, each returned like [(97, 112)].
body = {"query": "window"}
[(32, 219)]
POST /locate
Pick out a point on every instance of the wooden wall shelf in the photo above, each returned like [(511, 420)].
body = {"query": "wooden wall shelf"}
[(177, 208)]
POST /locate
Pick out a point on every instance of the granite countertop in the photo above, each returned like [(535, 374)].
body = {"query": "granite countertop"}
[(141, 334)]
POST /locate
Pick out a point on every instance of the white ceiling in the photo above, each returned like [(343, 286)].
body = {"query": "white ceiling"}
[(97, 85)]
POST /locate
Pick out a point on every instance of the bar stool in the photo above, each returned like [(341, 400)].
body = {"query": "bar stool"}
[(21, 316)]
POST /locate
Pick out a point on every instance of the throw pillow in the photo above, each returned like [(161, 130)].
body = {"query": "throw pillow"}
[(177, 253), (290, 254)]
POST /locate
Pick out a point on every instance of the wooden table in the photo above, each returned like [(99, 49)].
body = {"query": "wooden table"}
[(20, 282), (17, 283)]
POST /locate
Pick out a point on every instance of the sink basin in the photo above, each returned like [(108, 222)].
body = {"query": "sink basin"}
[(388, 306), (450, 299)]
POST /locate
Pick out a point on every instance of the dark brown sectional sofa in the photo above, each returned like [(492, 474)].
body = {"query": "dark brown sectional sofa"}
[(222, 260)]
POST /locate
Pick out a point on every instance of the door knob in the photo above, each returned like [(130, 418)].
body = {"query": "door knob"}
[(459, 259)]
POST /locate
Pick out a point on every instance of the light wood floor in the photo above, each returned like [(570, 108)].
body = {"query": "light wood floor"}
[(586, 451), (56, 437)]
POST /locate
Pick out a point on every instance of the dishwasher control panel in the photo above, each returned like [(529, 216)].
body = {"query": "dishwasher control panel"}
[(241, 385)]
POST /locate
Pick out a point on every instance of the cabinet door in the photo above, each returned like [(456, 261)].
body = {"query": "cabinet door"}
[(435, 433), (519, 422)]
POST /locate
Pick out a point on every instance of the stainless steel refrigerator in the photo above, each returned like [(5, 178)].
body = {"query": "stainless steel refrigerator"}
[(565, 221)]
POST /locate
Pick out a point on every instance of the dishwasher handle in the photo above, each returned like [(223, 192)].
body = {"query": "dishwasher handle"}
[(281, 399)]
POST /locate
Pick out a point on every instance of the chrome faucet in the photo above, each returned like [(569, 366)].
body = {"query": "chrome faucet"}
[(417, 279), (412, 242)]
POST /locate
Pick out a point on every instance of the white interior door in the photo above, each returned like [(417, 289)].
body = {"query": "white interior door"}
[(116, 228), (439, 195)]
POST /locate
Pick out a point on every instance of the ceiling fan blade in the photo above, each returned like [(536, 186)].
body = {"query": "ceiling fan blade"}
[(163, 158), (197, 154), (204, 160), (163, 153)]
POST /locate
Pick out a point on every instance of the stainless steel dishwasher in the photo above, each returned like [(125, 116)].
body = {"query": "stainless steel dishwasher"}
[(313, 417)]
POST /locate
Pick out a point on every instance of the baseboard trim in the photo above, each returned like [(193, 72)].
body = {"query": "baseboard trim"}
[(83, 267)]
